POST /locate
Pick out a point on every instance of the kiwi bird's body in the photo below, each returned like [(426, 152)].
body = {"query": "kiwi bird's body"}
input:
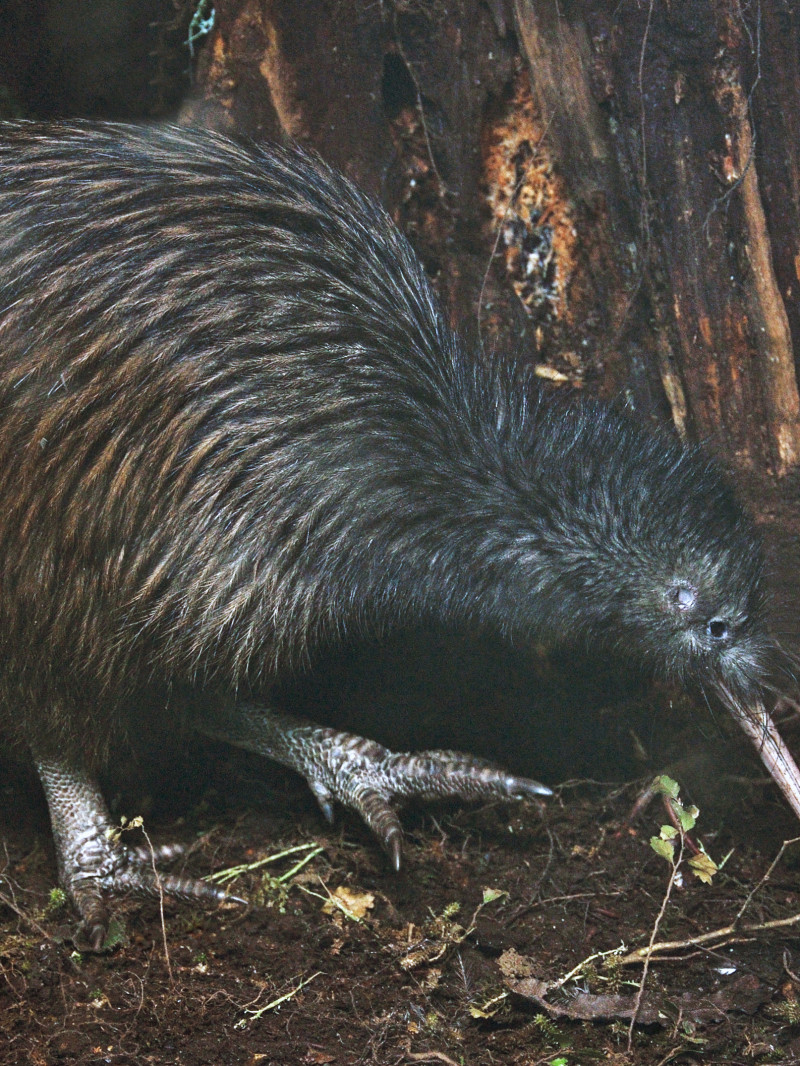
[(234, 424)]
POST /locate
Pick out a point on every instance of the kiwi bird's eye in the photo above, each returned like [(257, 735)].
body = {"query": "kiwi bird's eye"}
[(717, 628)]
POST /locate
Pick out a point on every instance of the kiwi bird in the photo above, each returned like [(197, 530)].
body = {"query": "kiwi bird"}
[(235, 424)]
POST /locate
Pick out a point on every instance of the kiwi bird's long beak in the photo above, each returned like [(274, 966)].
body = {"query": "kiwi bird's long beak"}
[(758, 725)]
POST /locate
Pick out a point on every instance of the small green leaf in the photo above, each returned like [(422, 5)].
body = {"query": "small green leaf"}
[(668, 832), (666, 786), (117, 935), (687, 816), (664, 848), (56, 901), (491, 894)]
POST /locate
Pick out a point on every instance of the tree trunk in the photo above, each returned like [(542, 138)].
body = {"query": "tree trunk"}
[(610, 190)]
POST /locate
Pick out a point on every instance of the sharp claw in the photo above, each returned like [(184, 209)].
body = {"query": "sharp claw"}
[(324, 799), (97, 937), (524, 786), (394, 849)]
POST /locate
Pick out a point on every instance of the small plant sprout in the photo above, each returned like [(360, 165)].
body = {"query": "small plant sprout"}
[(674, 835)]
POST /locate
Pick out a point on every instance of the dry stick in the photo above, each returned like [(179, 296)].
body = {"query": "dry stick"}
[(443, 189), (766, 876), (731, 934), (734, 930), (9, 902), (555, 985), (791, 973), (649, 950), (670, 1055), (256, 1014), (430, 1056), (160, 888)]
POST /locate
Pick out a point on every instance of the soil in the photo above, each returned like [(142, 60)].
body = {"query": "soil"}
[(464, 957)]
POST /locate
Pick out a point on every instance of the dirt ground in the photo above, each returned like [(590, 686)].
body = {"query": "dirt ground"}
[(515, 934)]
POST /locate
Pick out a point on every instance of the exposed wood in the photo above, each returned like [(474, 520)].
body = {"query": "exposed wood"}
[(678, 126), (284, 68), (770, 323), (571, 81), (560, 62)]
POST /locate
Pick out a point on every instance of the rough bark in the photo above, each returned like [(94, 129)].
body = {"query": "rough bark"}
[(610, 190)]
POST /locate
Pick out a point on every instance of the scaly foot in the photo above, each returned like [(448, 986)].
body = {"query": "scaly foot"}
[(92, 863)]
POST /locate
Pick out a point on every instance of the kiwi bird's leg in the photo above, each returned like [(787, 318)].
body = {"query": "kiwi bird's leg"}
[(91, 863), (359, 773)]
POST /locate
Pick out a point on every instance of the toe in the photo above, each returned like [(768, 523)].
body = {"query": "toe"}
[(382, 820)]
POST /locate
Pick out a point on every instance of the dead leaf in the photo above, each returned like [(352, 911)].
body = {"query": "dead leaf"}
[(746, 994)]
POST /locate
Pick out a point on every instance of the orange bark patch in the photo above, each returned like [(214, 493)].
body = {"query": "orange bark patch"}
[(531, 212)]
